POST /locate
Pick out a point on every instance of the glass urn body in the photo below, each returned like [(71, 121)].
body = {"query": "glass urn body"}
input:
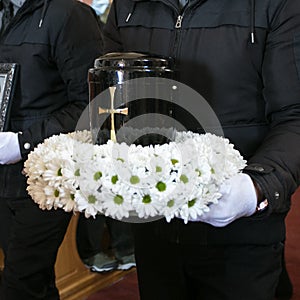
[(131, 99)]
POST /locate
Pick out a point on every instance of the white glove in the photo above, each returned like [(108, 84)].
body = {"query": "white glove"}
[(9, 148), (238, 200)]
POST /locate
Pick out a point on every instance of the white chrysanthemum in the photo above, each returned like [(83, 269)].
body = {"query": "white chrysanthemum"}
[(53, 195), (147, 205), (192, 209), (204, 171), (160, 167), (53, 174), (69, 171), (83, 153), (172, 204), (139, 157), (83, 136), (68, 203), (34, 165), (88, 201), (117, 205), (197, 201), (119, 151), (36, 191)]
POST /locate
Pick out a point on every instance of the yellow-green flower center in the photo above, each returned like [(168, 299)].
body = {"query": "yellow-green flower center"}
[(161, 186), (199, 172), (97, 175), (118, 199), (147, 199), (59, 173), (134, 179), (184, 178), (56, 193), (171, 203), (114, 179), (174, 161), (191, 202), (92, 199)]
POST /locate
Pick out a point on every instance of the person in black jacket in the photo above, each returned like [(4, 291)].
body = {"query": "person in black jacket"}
[(243, 57), (53, 42)]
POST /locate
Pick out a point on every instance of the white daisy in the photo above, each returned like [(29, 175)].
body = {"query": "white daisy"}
[(117, 205), (147, 205)]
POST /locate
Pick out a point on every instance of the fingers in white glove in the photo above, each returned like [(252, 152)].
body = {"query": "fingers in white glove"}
[(238, 200), (9, 148)]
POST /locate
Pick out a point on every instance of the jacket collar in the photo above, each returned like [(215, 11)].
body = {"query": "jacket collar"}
[(31, 5), (174, 3), (170, 2)]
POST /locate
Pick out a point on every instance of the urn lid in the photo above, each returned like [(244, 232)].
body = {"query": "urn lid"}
[(132, 60)]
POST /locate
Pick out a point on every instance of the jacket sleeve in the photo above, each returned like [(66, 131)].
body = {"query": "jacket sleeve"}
[(276, 164), (78, 43)]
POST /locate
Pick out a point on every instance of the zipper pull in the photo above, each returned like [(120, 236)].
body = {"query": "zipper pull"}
[(179, 22), (128, 17)]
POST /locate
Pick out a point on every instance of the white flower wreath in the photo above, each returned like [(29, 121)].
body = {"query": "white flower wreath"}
[(178, 179)]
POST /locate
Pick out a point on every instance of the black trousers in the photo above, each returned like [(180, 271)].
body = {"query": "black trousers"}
[(173, 270), (30, 238), (90, 233)]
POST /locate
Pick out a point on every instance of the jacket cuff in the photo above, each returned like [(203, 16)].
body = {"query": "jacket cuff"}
[(264, 176), (26, 144)]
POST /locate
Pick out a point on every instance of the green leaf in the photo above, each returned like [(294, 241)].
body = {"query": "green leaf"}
[(120, 159), (77, 172), (59, 173)]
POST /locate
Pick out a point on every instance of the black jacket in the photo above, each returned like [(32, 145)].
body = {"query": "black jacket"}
[(54, 50), (244, 58)]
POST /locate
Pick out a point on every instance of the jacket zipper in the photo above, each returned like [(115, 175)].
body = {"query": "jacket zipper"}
[(177, 40), (179, 21), (178, 25), (176, 52)]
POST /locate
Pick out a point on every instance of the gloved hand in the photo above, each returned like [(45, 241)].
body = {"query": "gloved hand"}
[(9, 148), (238, 200)]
